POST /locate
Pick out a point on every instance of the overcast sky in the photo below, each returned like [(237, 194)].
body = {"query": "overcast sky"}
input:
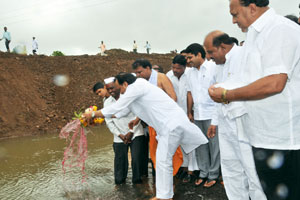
[(78, 26)]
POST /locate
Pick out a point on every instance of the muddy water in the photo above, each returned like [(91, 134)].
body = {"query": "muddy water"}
[(30, 168)]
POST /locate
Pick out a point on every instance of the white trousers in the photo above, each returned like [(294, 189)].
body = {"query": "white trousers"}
[(237, 164), (190, 160), (166, 148), (255, 188)]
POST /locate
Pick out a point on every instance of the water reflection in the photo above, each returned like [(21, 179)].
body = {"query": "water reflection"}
[(31, 169)]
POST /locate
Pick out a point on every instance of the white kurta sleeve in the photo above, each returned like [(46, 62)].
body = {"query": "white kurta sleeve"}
[(122, 113), (215, 119), (112, 127), (133, 92), (280, 50)]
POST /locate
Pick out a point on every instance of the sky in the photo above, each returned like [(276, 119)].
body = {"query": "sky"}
[(77, 27)]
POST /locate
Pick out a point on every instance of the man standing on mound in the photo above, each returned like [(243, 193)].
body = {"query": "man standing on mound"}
[(157, 109)]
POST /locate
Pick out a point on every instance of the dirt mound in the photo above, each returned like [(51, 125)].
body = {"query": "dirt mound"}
[(31, 103)]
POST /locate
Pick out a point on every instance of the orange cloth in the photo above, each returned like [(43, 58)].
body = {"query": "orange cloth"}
[(177, 158)]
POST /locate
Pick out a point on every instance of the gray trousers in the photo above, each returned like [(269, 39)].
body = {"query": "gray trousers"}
[(208, 155)]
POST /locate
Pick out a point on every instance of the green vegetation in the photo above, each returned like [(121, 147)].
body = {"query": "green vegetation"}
[(57, 53)]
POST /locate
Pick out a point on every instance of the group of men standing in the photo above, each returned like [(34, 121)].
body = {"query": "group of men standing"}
[(237, 108)]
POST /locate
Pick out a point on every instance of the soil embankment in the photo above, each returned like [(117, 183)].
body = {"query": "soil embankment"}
[(32, 104)]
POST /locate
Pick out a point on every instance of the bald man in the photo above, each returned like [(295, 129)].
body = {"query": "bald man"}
[(208, 43)]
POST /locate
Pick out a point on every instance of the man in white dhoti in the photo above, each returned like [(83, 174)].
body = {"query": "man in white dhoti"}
[(237, 163), (271, 73), (156, 108)]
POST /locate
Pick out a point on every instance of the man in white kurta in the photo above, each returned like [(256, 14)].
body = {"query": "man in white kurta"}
[(124, 138), (237, 163), (271, 73), (200, 110), (178, 78), (156, 108)]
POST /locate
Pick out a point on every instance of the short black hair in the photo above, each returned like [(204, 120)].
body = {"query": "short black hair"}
[(125, 77), (98, 86), (224, 39), (179, 59), (141, 62), (183, 51), (293, 18), (196, 48), (258, 3), (160, 69)]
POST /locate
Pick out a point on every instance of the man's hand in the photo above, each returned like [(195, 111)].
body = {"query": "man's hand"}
[(216, 93), (191, 117), (211, 131), (133, 123), (87, 117), (128, 137), (122, 137)]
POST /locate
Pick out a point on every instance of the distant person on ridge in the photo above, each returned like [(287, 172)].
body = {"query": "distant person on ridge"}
[(148, 47), (103, 49), (34, 46), (134, 47), (7, 37)]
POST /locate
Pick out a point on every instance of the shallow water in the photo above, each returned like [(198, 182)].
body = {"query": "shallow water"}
[(30, 168)]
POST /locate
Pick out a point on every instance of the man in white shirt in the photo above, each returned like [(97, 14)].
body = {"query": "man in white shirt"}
[(148, 47), (237, 162), (7, 37), (123, 139), (134, 47), (179, 81), (101, 91), (200, 111), (143, 68), (157, 109), (103, 49), (271, 73), (34, 46)]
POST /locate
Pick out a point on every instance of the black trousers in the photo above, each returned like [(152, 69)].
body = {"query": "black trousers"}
[(279, 172), (7, 44), (121, 160), (145, 156)]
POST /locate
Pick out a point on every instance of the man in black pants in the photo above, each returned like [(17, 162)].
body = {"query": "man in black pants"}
[(7, 37), (123, 139)]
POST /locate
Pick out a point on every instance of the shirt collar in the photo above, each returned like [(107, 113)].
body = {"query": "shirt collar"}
[(204, 65), (231, 52), (263, 20)]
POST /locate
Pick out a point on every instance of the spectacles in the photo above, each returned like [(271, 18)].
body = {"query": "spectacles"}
[(156, 68)]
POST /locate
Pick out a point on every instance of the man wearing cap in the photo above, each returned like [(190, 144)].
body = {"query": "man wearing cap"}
[(157, 109), (124, 138)]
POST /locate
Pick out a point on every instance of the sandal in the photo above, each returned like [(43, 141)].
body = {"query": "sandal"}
[(210, 183), (199, 181)]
